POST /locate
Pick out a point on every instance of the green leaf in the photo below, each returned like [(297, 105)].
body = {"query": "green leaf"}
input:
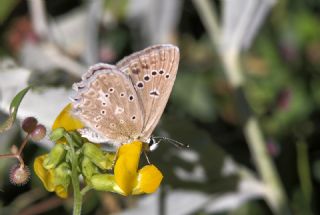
[(14, 106)]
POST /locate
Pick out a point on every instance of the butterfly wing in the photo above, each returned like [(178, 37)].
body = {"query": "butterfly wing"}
[(107, 103), (153, 72)]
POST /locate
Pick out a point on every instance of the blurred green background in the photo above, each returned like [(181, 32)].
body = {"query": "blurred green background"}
[(281, 71)]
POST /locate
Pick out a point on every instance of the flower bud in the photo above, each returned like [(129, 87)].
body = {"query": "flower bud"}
[(55, 156), (105, 182), (19, 175), (62, 175), (110, 157), (29, 124), (88, 168), (76, 137), (97, 156), (38, 133), (57, 134)]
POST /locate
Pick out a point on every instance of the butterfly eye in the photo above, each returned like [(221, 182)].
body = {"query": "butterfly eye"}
[(111, 90), (106, 95), (103, 112), (122, 94), (154, 73), (131, 98), (133, 117), (161, 72), (167, 76)]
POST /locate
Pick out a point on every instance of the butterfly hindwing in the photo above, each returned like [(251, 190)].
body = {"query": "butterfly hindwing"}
[(107, 102)]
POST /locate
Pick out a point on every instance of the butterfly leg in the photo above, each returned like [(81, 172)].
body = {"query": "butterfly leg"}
[(147, 158)]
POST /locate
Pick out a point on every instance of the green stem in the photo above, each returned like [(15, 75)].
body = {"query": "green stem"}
[(77, 196), (304, 170), (85, 190)]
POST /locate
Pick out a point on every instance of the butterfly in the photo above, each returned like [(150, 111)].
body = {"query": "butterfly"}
[(124, 102)]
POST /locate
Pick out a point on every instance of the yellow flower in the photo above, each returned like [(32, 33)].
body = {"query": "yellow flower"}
[(149, 179), (48, 178), (66, 120), (126, 180), (131, 181)]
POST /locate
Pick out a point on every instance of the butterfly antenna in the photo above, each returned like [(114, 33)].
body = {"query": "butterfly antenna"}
[(172, 141)]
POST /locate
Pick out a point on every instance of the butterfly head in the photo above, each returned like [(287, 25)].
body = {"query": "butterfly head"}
[(151, 144)]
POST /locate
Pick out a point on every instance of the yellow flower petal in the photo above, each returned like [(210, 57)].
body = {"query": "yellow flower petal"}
[(61, 191), (126, 166), (131, 152), (149, 179), (100, 158), (66, 120), (46, 176)]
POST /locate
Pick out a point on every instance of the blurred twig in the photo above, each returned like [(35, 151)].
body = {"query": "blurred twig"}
[(17, 153), (53, 51), (43, 206), (94, 15), (62, 60), (24, 202), (276, 196), (38, 17)]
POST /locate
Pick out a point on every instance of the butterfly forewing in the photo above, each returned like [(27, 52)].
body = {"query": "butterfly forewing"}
[(107, 102), (152, 72)]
